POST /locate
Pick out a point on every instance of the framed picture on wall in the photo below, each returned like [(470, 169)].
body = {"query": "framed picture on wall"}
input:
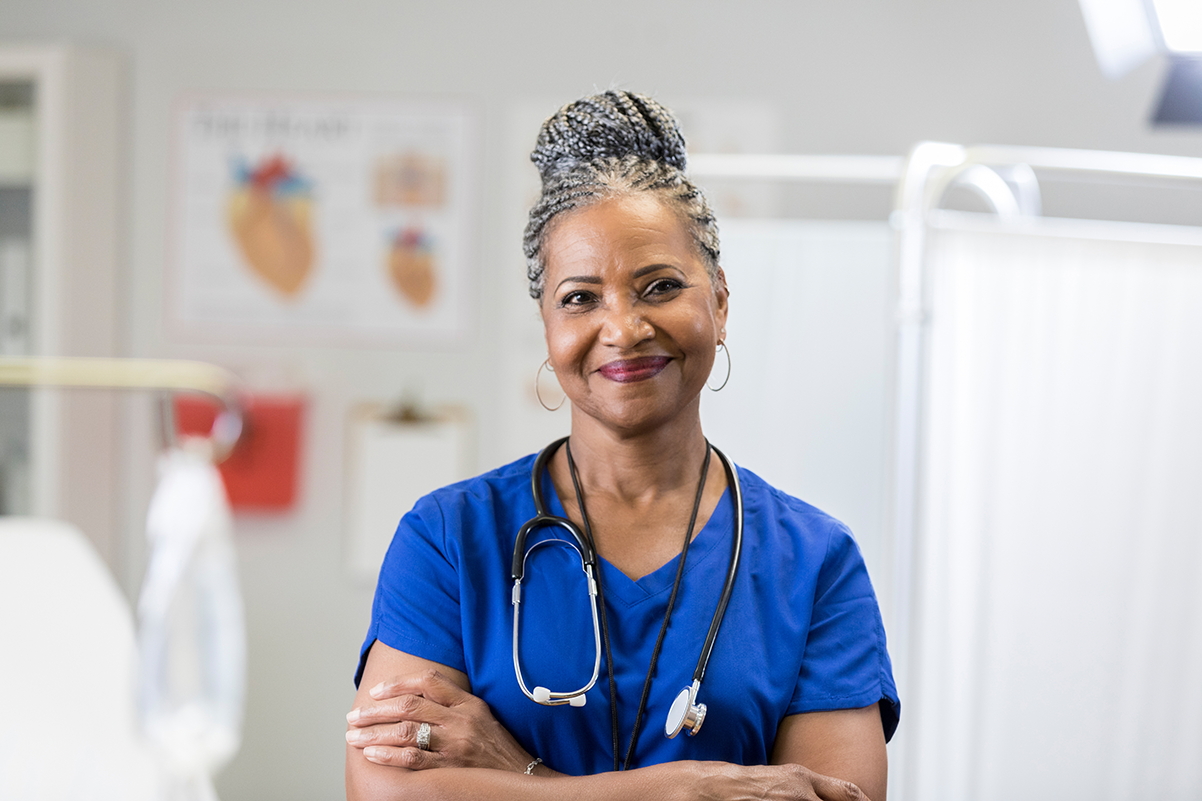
[(321, 221)]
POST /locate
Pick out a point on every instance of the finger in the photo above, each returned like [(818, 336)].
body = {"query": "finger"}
[(411, 758), (402, 734), (404, 707), (829, 788), (432, 684)]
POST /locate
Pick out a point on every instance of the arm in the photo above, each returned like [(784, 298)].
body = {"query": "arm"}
[(844, 660), (848, 743), (399, 691), (381, 771), (401, 774)]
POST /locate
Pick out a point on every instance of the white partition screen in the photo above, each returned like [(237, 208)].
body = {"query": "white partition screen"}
[(810, 335), (1058, 649)]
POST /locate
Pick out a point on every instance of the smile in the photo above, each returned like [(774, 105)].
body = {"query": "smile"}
[(627, 371)]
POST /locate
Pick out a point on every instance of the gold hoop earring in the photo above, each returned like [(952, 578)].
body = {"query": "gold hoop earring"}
[(546, 363), (726, 350)]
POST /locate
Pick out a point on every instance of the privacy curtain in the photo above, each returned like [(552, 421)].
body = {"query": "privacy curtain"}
[(1058, 636), (810, 335)]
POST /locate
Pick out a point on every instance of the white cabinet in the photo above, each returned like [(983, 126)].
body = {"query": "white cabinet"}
[(61, 134)]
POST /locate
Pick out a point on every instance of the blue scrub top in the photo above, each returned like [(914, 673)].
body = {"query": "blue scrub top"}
[(802, 632)]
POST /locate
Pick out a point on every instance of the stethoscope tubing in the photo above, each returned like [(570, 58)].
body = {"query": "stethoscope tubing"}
[(556, 698), (588, 557), (544, 519), (736, 552)]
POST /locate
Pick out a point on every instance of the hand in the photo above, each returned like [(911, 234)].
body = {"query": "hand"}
[(773, 783), (463, 731)]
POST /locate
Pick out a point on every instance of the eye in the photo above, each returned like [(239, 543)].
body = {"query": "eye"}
[(663, 286), (577, 297)]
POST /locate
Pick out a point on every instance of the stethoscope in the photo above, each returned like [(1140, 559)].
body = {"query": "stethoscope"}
[(685, 714)]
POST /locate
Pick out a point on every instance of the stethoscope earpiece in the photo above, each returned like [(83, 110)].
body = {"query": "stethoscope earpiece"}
[(541, 695)]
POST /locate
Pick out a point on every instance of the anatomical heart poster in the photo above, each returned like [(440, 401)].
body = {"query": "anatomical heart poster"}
[(321, 221)]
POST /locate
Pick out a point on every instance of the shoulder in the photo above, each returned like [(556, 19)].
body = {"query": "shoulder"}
[(482, 503), (764, 500), (488, 487), (798, 534), (470, 521)]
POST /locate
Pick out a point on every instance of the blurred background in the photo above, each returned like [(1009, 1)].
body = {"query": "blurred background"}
[(122, 160)]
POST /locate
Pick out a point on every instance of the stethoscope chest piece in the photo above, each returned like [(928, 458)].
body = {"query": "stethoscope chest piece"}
[(686, 714)]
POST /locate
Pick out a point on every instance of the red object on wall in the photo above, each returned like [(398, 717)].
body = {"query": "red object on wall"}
[(262, 472)]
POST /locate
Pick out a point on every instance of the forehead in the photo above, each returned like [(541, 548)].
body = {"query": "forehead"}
[(632, 230)]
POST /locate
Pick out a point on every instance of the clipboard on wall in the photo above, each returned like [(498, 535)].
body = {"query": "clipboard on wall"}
[(393, 458)]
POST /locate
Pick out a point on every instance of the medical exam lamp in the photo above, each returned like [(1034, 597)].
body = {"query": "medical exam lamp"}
[(1126, 33)]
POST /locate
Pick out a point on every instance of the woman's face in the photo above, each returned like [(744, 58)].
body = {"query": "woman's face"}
[(631, 317)]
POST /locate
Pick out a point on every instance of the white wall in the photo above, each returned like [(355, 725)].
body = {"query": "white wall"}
[(847, 77)]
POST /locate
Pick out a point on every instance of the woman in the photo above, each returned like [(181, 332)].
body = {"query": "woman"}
[(622, 256)]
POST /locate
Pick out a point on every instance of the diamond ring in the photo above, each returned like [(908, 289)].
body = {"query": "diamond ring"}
[(423, 737)]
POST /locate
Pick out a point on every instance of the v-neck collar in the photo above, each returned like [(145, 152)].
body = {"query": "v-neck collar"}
[(621, 588)]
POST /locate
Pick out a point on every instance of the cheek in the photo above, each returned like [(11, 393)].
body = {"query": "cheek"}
[(701, 331), (706, 331), (566, 345)]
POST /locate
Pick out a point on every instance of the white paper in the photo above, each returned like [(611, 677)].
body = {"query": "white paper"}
[(391, 465)]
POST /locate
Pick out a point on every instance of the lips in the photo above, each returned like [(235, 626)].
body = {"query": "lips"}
[(625, 371)]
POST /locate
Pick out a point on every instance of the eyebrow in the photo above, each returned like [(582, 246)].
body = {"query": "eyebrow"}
[(596, 279)]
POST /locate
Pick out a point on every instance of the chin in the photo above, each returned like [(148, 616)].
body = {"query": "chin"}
[(638, 417)]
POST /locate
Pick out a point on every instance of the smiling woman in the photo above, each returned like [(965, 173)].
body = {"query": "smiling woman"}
[(623, 259), (632, 317)]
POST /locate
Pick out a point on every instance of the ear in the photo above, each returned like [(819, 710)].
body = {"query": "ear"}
[(722, 295)]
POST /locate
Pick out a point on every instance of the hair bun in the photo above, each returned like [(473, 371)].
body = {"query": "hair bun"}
[(613, 125)]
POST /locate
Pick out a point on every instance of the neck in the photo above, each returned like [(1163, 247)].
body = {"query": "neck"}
[(643, 465)]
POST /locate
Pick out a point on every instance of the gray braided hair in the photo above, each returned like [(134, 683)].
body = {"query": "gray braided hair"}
[(609, 145)]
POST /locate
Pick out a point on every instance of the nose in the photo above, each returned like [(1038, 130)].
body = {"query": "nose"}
[(625, 327)]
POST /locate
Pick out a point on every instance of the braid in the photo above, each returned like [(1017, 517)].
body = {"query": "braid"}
[(609, 145)]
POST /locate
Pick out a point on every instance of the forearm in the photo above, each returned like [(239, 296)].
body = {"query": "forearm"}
[(848, 744), (673, 781), (668, 782), (474, 757)]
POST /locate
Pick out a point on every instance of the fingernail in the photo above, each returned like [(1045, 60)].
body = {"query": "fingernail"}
[(379, 688), (354, 735), (352, 716), (373, 753)]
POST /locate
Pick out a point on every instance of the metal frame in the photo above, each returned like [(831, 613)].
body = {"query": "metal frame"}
[(165, 375), (886, 170)]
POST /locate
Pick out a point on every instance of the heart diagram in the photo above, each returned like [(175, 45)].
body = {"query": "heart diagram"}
[(270, 217), (411, 265)]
